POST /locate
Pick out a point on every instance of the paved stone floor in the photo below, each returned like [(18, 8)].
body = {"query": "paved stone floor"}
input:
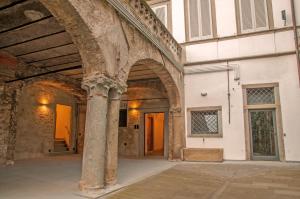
[(58, 177), (229, 180)]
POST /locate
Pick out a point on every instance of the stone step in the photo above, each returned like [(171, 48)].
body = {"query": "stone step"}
[(60, 144), (54, 153), (61, 148), (60, 141)]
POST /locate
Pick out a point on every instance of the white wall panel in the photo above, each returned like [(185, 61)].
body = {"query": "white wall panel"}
[(278, 6), (207, 51), (297, 8), (228, 48), (284, 41), (178, 20), (226, 21), (256, 45), (215, 85)]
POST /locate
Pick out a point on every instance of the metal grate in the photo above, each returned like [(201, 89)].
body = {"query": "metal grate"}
[(260, 96), (204, 122)]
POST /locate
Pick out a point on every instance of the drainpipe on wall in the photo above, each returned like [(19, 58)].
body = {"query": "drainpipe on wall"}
[(296, 36)]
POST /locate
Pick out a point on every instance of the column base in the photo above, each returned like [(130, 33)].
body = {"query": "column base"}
[(110, 183), (96, 193), (86, 188)]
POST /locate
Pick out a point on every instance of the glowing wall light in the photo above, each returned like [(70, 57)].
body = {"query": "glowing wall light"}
[(43, 110), (134, 105), (43, 102)]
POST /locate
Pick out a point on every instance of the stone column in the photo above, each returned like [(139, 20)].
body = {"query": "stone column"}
[(112, 135), (93, 162), (177, 133)]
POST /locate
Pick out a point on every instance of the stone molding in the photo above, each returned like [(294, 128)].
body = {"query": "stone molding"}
[(150, 19), (143, 19), (98, 84), (174, 110)]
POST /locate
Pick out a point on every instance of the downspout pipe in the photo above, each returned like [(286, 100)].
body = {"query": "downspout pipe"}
[(296, 36)]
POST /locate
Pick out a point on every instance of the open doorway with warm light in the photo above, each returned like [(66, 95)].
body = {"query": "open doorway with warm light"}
[(154, 134), (63, 128)]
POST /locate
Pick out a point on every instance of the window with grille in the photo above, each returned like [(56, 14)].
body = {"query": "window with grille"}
[(254, 15), (199, 19), (162, 13), (206, 122), (260, 96)]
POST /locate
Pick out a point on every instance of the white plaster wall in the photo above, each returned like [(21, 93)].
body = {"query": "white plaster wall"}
[(241, 47), (278, 69), (178, 20), (278, 6), (297, 8), (215, 84), (201, 52), (281, 69), (225, 17)]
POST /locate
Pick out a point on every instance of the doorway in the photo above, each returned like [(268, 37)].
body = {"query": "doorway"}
[(63, 127), (154, 134), (263, 134)]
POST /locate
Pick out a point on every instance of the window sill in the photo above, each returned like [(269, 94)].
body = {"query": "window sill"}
[(206, 136)]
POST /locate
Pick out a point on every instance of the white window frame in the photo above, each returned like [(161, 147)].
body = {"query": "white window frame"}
[(254, 29), (200, 22), (210, 108), (165, 6)]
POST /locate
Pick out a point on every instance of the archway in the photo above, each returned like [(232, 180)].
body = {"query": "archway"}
[(107, 47)]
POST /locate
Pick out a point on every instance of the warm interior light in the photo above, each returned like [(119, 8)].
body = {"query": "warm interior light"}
[(44, 101), (134, 105), (63, 123), (134, 112), (43, 110), (154, 133)]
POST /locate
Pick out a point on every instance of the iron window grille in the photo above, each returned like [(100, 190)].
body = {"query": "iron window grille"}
[(205, 122), (257, 96)]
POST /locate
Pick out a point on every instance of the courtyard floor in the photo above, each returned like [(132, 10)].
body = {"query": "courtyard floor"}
[(229, 180), (57, 178)]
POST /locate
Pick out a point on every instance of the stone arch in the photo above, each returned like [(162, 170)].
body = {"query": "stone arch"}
[(69, 86), (109, 46), (170, 84), (94, 28), (172, 80)]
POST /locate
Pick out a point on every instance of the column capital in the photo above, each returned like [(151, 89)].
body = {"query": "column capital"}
[(117, 90), (98, 84)]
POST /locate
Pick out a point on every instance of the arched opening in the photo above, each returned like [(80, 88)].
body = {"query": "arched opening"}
[(40, 68), (144, 112), (38, 53), (38, 57), (146, 122), (147, 102)]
